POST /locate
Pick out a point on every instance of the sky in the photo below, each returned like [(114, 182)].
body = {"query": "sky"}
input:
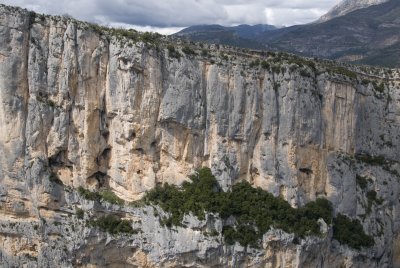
[(169, 16)]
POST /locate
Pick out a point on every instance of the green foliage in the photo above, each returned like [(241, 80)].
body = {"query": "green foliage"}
[(173, 53), (188, 51), (276, 69), (122, 33), (196, 197), (254, 63), (46, 100), (305, 73), (361, 181), (302, 62), (224, 57), (265, 65), (372, 198), (51, 103), (372, 160), (254, 209), (105, 195), (89, 195), (351, 233), (214, 232), (97, 28), (365, 82), (113, 225), (343, 71), (150, 38), (244, 234), (276, 86), (111, 197), (79, 213), (380, 161), (321, 208), (137, 204), (129, 34), (204, 53), (32, 18), (379, 87)]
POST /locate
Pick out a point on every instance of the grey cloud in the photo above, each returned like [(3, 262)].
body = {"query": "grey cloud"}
[(163, 13), (183, 13)]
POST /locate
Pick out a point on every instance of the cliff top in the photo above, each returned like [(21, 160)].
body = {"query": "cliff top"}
[(213, 53)]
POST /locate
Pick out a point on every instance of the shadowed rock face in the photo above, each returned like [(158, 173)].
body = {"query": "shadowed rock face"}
[(96, 111)]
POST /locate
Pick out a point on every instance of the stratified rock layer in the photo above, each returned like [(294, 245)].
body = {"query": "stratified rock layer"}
[(97, 111)]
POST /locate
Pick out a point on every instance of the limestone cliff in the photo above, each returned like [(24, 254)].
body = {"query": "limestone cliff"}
[(83, 106)]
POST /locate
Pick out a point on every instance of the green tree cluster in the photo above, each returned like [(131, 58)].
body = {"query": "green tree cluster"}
[(351, 232), (80, 213), (173, 53), (188, 51), (113, 225), (104, 195), (255, 211)]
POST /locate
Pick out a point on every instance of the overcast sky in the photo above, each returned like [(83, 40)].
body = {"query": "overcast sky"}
[(168, 16)]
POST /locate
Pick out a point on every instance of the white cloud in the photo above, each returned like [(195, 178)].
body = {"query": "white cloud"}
[(168, 16), (147, 28), (242, 13), (279, 16)]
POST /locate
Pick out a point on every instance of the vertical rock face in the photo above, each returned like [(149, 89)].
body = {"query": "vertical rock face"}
[(91, 110)]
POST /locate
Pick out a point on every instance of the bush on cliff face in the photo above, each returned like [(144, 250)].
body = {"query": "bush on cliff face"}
[(201, 195), (351, 232), (113, 225), (80, 213), (254, 209), (104, 195), (173, 53)]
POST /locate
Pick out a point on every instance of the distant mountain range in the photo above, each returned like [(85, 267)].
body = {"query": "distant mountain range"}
[(359, 31), (240, 36), (348, 6)]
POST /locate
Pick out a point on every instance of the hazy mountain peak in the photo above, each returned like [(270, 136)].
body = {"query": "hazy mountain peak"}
[(347, 6)]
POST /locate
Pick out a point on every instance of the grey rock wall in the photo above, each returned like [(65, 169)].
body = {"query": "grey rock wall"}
[(98, 111)]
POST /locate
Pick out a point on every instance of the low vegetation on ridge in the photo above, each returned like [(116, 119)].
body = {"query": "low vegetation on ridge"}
[(223, 54)]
